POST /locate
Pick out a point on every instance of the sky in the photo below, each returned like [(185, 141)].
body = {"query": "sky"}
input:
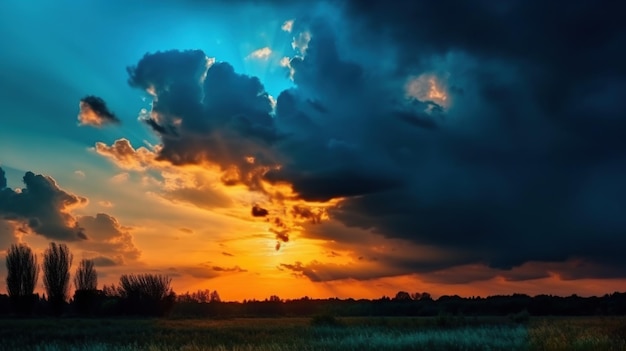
[(346, 148)]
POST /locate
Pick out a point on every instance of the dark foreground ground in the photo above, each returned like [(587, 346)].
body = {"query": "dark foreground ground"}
[(321, 333)]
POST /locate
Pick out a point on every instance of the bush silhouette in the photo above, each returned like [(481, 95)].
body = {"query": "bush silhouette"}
[(146, 294)]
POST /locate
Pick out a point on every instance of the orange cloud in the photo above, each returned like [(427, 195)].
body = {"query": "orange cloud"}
[(109, 238), (94, 112), (125, 156)]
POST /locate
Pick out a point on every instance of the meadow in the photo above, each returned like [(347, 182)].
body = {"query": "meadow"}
[(278, 334)]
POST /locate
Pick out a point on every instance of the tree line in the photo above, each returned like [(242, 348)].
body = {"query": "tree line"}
[(152, 295), (142, 294)]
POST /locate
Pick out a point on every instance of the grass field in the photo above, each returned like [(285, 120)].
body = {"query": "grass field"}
[(468, 334)]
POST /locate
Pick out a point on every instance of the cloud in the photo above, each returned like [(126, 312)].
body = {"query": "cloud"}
[(258, 211), (206, 271), (103, 261), (3, 179), (106, 204), (109, 238), (44, 207), (120, 178), (235, 269), (94, 112), (8, 234), (496, 147), (301, 42), (206, 198), (125, 156), (206, 113), (201, 272), (287, 26), (478, 182), (79, 174), (261, 54)]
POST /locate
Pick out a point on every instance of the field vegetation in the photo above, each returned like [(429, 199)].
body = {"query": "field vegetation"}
[(327, 333)]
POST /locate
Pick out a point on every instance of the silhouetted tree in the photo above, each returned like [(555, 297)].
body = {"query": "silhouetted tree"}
[(57, 261), (215, 297), (146, 293), (423, 296), (402, 296), (86, 277), (274, 298), (86, 284), (22, 274), (110, 290)]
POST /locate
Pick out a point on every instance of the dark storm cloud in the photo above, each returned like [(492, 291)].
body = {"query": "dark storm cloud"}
[(94, 112), (519, 180), (417, 120), (518, 176), (205, 112), (3, 179), (43, 206), (523, 162)]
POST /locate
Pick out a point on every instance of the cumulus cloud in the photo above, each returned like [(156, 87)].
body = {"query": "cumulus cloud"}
[(109, 238), (207, 113), (125, 156), (44, 207), (94, 112)]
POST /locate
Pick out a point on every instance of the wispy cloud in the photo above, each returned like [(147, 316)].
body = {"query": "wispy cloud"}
[(261, 54)]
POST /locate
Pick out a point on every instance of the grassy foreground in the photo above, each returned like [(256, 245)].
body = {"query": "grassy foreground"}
[(298, 334)]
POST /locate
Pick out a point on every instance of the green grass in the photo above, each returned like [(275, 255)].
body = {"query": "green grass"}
[(278, 334)]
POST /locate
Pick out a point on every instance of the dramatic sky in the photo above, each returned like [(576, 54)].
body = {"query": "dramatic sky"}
[(349, 148)]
